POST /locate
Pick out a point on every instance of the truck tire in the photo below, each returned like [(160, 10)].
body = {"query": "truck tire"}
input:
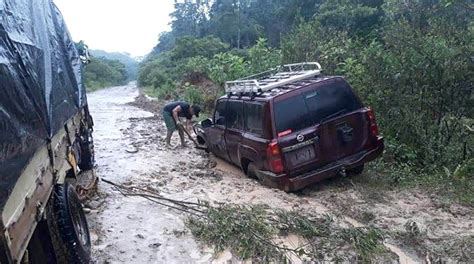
[(87, 151), (68, 226)]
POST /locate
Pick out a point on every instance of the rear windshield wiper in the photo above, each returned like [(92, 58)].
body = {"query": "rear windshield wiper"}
[(332, 115)]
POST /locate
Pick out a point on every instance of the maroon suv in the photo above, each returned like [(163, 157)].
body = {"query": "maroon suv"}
[(295, 134)]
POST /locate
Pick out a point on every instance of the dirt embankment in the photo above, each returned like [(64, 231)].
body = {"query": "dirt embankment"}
[(130, 150)]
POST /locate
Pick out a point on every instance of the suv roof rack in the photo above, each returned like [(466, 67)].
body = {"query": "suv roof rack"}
[(274, 78)]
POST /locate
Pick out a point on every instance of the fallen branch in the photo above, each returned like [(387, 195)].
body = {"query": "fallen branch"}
[(250, 231), (181, 127), (183, 206)]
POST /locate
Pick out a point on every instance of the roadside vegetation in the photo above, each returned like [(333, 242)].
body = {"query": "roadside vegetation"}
[(107, 69), (410, 61), (101, 73), (131, 64)]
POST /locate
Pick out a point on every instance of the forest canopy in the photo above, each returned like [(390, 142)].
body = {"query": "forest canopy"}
[(131, 64)]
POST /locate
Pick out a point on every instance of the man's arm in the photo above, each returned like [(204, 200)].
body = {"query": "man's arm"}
[(188, 124), (176, 111)]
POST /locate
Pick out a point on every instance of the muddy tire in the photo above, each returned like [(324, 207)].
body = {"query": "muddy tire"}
[(68, 226), (252, 171), (87, 151), (357, 170)]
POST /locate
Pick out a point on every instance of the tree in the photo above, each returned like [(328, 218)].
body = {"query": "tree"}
[(187, 47), (166, 41), (100, 73), (189, 19), (352, 16), (230, 21)]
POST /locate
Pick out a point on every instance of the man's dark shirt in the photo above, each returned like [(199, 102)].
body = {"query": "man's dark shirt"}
[(184, 109)]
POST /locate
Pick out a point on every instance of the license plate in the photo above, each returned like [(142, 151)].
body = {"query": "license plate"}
[(302, 155)]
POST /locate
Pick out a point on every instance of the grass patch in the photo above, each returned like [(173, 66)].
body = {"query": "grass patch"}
[(452, 187), (253, 232), (152, 92)]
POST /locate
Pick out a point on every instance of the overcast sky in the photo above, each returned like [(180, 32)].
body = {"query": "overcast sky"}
[(129, 26)]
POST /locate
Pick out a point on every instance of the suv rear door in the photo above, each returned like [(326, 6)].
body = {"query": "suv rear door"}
[(319, 124)]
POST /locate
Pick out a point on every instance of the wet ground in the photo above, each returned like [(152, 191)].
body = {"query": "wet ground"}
[(129, 143)]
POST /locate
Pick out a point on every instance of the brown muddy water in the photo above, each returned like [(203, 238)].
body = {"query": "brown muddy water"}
[(129, 144)]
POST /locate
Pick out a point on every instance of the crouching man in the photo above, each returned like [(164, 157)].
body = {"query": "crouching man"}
[(172, 112)]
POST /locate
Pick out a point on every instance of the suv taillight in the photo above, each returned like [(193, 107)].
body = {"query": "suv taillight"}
[(274, 157), (374, 129)]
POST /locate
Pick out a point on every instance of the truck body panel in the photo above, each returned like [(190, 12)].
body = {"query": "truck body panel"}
[(43, 106)]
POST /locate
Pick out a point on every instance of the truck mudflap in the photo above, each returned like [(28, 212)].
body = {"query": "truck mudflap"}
[(284, 182)]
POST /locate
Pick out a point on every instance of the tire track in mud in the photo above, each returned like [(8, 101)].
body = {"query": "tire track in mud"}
[(130, 229), (133, 230)]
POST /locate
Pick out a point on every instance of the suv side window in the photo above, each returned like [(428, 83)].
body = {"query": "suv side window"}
[(253, 118), (219, 114), (234, 114)]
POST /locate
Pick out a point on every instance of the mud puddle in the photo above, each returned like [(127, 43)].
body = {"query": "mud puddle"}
[(130, 150)]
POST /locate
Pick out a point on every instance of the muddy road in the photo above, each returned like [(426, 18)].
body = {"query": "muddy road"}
[(130, 149)]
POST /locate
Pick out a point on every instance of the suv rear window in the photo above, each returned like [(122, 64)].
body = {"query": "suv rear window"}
[(315, 106), (291, 114)]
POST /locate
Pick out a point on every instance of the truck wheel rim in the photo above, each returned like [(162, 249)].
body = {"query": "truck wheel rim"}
[(79, 222)]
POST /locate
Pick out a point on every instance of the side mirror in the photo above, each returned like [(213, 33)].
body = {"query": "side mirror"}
[(206, 123), (83, 51)]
